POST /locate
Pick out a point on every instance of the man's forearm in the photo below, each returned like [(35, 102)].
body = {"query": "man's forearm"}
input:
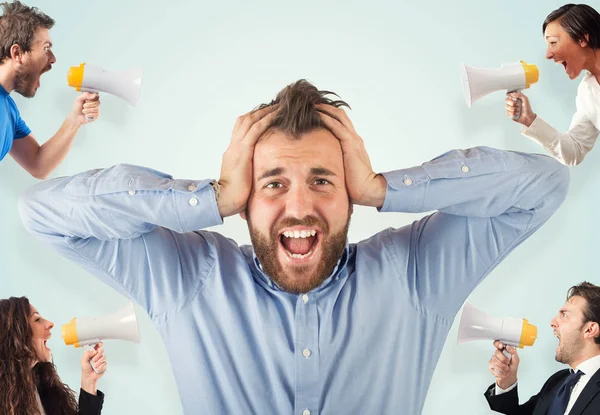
[(120, 202), (479, 182), (54, 151)]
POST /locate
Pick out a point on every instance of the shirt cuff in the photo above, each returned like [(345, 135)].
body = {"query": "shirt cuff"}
[(196, 204), (499, 391), (540, 131), (405, 190)]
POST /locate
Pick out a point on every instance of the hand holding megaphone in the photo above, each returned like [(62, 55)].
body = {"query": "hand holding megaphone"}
[(89, 78), (93, 360), (504, 369), (519, 108)]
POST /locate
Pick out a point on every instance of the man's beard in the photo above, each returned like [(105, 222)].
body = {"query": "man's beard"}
[(569, 348), (298, 281), (25, 83)]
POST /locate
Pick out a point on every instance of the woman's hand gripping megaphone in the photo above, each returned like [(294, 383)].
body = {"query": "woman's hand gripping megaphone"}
[(518, 107), (93, 360)]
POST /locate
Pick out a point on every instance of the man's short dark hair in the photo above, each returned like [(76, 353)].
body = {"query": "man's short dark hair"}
[(18, 25), (296, 112), (591, 293)]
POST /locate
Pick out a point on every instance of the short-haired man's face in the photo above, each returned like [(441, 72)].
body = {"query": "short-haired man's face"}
[(568, 326), (298, 212), (35, 62)]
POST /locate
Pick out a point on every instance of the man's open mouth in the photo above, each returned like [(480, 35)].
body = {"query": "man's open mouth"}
[(299, 244)]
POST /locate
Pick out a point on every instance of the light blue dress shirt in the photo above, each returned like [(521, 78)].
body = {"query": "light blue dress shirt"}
[(364, 342)]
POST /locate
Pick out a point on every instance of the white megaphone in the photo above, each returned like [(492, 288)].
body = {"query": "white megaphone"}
[(88, 332), (511, 77), (477, 325), (124, 84)]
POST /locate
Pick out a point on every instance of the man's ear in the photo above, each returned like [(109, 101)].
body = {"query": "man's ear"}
[(593, 329), (584, 43), (16, 53)]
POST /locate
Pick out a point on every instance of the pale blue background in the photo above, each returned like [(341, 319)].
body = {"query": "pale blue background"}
[(205, 63)]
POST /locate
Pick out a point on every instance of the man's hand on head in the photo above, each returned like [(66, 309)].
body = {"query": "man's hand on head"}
[(236, 167), (365, 187)]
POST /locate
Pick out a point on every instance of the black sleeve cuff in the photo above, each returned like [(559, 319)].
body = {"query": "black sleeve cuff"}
[(90, 404)]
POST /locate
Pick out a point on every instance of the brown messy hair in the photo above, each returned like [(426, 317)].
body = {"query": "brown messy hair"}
[(18, 381), (591, 293), (18, 25), (296, 112)]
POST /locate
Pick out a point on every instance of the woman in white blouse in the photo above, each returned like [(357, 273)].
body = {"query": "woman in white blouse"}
[(572, 33)]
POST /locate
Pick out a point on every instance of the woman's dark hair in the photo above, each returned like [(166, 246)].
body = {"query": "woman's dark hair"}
[(578, 20), (18, 380)]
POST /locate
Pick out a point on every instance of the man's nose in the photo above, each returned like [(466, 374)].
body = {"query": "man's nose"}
[(299, 202), (52, 58), (549, 54), (50, 325), (553, 323)]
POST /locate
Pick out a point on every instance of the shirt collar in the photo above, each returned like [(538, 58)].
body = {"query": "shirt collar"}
[(334, 276), (590, 366)]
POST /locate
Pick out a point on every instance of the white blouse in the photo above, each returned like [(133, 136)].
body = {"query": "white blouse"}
[(571, 147)]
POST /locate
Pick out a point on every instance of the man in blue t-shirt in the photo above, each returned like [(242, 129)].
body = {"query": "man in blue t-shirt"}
[(25, 54)]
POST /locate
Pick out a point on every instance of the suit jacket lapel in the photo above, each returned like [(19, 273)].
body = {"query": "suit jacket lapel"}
[(546, 397), (587, 394)]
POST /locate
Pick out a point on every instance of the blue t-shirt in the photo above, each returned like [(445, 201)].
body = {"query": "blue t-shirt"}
[(12, 126)]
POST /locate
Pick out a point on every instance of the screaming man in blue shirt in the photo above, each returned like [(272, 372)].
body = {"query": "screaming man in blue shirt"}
[(300, 322)]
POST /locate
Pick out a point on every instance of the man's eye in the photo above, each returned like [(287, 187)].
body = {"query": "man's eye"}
[(273, 185), (321, 181)]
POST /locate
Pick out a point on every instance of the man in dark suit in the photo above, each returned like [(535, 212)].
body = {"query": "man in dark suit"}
[(573, 391)]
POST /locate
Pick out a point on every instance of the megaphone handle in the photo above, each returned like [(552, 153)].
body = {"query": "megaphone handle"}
[(507, 354), (89, 348), (94, 91), (519, 106)]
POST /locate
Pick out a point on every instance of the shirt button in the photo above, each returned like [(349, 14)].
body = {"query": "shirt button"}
[(193, 201), (408, 181), (131, 192), (306, 353), (305, 298), (465, 169), (191, 187), (306, 412)]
